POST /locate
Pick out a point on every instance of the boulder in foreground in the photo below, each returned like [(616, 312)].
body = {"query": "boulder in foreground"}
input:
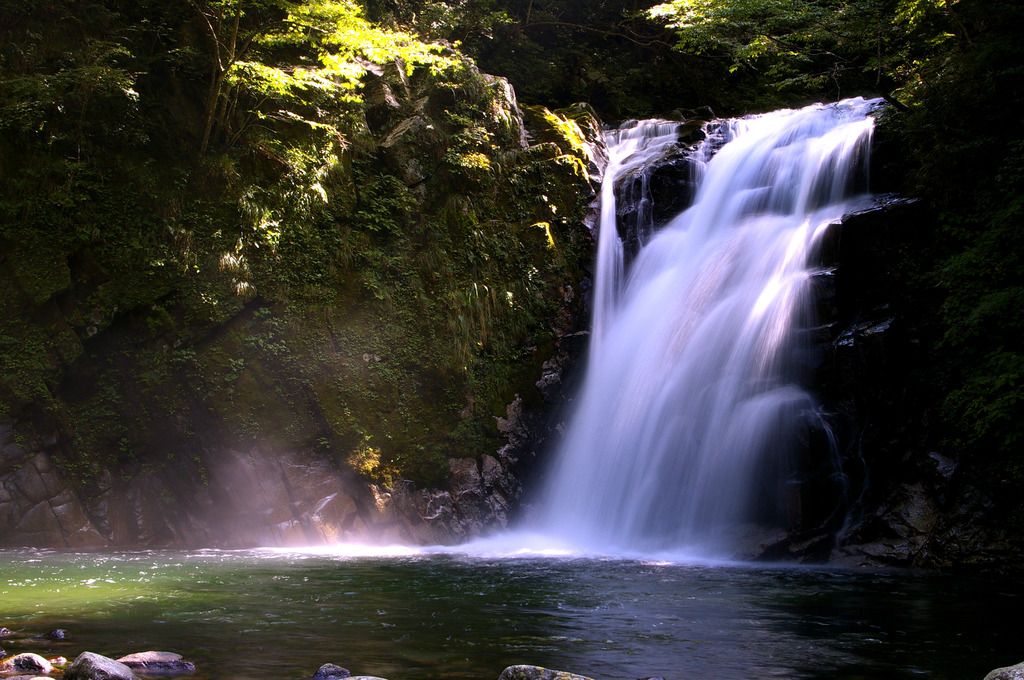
[(26, 663), (90, 666)]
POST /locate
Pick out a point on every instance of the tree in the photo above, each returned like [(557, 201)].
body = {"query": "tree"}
[(290, 54), (863, 45)]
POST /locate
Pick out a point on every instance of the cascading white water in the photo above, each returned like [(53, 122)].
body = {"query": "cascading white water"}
[(690, 410)]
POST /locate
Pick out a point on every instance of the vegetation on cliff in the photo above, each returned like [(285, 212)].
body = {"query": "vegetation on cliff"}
[(266, 221)]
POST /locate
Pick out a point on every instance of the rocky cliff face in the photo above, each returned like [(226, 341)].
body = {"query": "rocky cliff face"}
[(907, 500), (873, 488), (368, 382)]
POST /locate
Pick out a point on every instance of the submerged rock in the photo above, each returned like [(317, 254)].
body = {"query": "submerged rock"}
[(330, 671), (160, 663), (1015, 672), (537, 673), (26, 663), (91, 666)]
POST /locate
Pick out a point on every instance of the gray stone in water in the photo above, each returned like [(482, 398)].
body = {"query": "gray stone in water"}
[(26, 663), (5, 632), (537, 673), (329, 671), (158, 663), (58, 634), (1007, 673), (90, 666)]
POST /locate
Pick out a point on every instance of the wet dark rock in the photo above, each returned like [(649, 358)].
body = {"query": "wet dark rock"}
[(650, 196), (901, 502), (91, 666), (37, 506), (1015, 672), (58, 634), (423, 514), (158, 663), (944, 467), (854, 489), (330, 671), (537, 673), (868, 490), (5, 632), (468, 490), (897, 533), (26, 663), (479, 499), (699, 114)]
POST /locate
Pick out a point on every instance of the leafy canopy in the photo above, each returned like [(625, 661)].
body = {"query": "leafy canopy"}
[(863, 44), (344, 43), (286, 58)]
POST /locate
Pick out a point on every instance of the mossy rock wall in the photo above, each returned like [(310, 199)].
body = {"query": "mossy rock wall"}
[(170, 378)]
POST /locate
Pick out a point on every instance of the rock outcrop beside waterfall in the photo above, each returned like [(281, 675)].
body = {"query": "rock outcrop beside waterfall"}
[(908, 503), (394, 393), (877, 492)]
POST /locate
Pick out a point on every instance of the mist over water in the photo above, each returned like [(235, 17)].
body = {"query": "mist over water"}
[(691, 410)]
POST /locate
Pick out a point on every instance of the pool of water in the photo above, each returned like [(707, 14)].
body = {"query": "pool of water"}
[(267, 614)]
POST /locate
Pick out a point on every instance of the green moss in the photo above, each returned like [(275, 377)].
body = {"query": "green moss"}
[(26, 359), (40, 272)]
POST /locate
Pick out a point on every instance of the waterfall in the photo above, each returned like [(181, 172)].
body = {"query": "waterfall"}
[(692, 411)]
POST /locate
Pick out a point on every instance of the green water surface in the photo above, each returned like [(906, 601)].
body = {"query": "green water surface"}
[(260, 614)]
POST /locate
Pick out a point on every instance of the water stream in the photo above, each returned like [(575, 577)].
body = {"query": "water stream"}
[(692, 409)]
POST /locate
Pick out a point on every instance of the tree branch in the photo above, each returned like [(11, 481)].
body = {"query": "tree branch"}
[(617, 34)]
